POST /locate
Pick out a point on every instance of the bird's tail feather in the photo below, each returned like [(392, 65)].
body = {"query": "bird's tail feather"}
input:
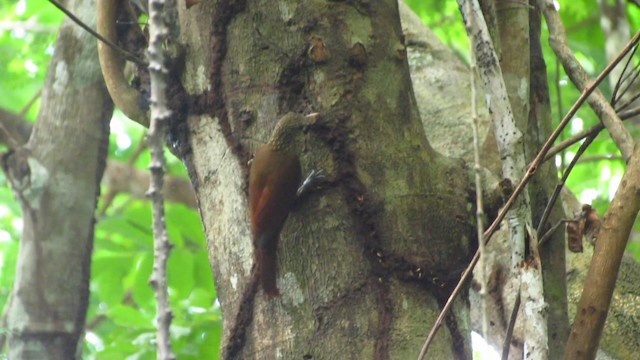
[(267, 268)]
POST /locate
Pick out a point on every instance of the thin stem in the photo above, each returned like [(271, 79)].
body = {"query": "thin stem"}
[(506, 346), (160, 113), (127, 55)]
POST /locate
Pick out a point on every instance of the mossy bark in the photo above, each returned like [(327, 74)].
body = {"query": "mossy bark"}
[(366, 262)]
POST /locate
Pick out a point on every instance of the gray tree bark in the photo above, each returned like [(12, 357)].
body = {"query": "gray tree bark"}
[(56, 176), (367, 261)]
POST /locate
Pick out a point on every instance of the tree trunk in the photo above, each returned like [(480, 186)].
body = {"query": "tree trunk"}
[(56, 178), (366, 262)]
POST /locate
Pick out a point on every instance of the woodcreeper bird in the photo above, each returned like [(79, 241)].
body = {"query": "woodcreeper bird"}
[(273, 188)]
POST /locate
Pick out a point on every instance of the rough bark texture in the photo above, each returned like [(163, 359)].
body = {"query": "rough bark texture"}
[(552, 252), (367, 260), (621, 337), (58, 197)]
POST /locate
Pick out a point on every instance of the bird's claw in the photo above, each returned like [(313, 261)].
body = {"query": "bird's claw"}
[(314, 177)]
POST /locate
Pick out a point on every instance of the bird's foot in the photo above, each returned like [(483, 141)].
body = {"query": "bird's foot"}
[(315, 176)]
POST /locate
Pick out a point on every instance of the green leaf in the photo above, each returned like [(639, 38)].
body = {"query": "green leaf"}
[(107, 285), (125, 232), (180, 268), (203, 275), (118, 350), (139, 281), (187, 222), (201, 298), (129, 317), (210, 346)]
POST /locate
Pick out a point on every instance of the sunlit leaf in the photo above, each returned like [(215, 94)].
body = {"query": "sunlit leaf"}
[(128, 316)]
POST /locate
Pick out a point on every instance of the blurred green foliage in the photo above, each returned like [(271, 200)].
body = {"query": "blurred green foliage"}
[(120, 322)]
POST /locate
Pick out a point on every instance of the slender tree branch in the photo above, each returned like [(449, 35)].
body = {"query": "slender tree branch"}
[(160, 113), (127, 55), (624, 115), (625, 77), (544, 238), (512, 324), (128, 99), (14, 130), (565, 176), (633, 98), (30, 103), (559, 103), (599, 104), (123, 178), (593, 158)]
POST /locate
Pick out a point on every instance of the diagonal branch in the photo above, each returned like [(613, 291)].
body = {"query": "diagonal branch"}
[(580, 78)]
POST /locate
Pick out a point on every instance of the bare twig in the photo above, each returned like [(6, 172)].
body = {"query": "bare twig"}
[(533, 167), (559, 104), (30, 103), (626, 77), (120, 177), (127, 55), (544, 238), (158, 33), (506, 345), (623, 78), (631, 99), (565, 176), (7, 137), (593, 158), (628, 114), (599, 104), (624, 115)]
